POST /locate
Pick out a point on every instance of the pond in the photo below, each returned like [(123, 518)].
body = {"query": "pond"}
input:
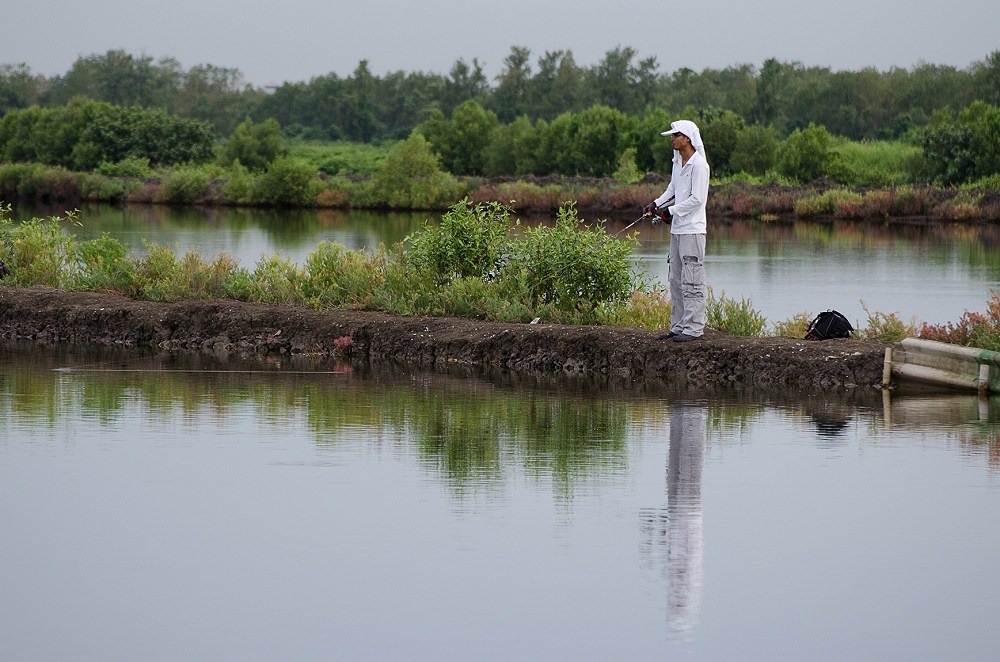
[(166, 507), (925, 273)]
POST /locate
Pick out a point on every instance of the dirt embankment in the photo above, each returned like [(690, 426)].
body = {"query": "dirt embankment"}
[(627, 356)]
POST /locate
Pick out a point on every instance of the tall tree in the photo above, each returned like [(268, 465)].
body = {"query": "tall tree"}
[(465, 82), (558, 86), (510, 97)]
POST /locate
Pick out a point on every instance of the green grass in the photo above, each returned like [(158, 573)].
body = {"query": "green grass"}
[(340, 158), (874, 163)]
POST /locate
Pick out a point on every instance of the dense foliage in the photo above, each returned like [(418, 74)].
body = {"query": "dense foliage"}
[(365, 107), (85, 134), (553, 116)]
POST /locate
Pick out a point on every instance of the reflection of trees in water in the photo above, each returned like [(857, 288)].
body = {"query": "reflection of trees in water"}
[(472, 433), (673, 533)]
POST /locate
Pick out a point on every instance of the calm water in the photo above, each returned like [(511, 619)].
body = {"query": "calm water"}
[(928, 274), (172, 508)]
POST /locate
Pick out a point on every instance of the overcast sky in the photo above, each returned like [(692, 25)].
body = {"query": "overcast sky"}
[(296, 40)]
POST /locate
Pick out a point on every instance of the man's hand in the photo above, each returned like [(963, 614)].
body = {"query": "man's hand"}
[(649, 209)]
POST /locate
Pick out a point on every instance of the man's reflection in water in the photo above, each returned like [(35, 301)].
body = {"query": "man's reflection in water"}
[(674, 532)]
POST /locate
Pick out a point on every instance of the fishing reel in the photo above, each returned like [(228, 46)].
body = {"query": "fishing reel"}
[(658, 217)]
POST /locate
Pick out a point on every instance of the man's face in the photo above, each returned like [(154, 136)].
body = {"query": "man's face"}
[(678, 140)]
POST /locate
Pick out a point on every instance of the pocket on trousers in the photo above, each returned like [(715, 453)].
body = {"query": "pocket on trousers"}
[(693, 271)]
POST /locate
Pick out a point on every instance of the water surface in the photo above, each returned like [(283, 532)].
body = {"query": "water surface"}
[(169, 507)]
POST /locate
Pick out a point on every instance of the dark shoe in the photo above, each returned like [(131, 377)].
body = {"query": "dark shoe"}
[(667, 336), (683, 337)]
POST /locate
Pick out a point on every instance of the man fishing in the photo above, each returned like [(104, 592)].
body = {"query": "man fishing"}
[(686, 273)]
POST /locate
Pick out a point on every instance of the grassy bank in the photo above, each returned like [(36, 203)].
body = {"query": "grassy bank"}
[(406, 176), (475, 263)]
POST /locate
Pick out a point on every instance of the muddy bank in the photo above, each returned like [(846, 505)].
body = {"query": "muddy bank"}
[(597, 354)]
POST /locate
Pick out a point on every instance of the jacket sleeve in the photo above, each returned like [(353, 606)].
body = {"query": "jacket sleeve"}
[(666, 195)]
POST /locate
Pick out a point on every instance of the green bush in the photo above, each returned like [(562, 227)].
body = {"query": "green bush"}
[(469, 241), (628, 171), (874, 163), (256, 146), (36, 252), (806, 154), (185, 184), (340, 157), (103, 265), (411, 178), (571, 267), (336, 276), (736, 318), (962, 147), (239, 185), (288, 182), (796, 327), (275, 279), (130, 166), (755, 151), (971, 330), (886, 328), (157, 275), (646, 310)]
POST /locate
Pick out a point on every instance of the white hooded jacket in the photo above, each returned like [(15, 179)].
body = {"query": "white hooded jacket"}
[(688, 184)]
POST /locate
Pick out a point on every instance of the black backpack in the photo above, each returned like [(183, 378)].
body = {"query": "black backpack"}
[(829, 324)]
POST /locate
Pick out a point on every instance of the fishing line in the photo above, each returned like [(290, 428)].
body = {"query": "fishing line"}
[(204, 372)]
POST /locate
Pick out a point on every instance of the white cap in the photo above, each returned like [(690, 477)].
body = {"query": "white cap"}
[(689, 129)]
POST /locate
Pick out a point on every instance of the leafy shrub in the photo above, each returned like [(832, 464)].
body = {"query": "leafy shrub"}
[(254, 145), (971, 330), (627, 172), (156, 274), (469, 241), (406, 290), (796, 327), (874, 162), (806, 154), (755, 151), (340, 157), (36, 252), (239, 184), (185, 184), (113, 133), (736, 318), (201, 279), (336, 276), (573, 267), (103, 264), (288, 182), (411, 178), (275, 279), (646, 310), (885, 328), (963, 147), (130, 166)]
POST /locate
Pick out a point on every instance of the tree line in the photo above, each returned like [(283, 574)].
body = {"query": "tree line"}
[(365, 107), (557, 118)]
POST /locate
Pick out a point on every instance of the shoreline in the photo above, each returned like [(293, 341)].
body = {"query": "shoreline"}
[(618, 357)]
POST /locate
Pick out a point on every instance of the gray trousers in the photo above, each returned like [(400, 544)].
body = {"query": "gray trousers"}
[(688, 298)]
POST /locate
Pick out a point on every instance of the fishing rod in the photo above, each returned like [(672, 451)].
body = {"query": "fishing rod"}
[(657, 217)]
